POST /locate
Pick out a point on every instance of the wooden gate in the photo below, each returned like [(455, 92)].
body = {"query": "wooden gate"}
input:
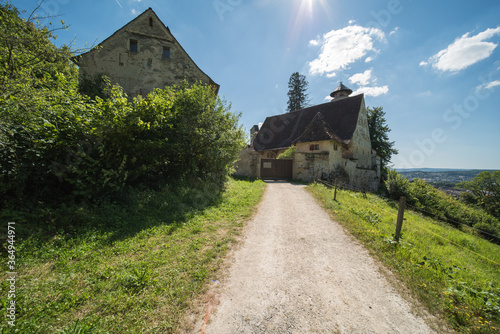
[(276, 168)]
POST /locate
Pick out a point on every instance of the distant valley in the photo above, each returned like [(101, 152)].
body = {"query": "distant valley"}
[(442, 178)]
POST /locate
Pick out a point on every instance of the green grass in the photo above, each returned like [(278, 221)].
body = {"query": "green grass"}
[(455, 274), (133, 268)]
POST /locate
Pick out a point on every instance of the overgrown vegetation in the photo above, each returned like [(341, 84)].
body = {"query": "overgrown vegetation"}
[(455, 274), (66, 144), (59, 145), (483, 191), (132, 267), (440, 205), (288, 153)]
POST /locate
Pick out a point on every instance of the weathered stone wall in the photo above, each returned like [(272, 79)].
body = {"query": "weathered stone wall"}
[(248, 164), (360, 145), (309, 165), (142, 71), (362, 178)]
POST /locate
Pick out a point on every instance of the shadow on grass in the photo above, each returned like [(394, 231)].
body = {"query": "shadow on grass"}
[(112, 220)]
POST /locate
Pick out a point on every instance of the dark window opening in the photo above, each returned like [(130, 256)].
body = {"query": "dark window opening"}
[(335, 147), (166, 52), (150, 21), (133, 45), (314, 147)]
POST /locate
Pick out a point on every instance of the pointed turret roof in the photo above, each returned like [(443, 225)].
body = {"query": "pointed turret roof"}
[(341, 90)]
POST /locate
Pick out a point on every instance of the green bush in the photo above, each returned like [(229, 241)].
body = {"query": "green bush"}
[(396, 185), (288, 153), (64, 143)]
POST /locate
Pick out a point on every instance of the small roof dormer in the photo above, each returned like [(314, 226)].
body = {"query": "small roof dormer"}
[(341, 91)]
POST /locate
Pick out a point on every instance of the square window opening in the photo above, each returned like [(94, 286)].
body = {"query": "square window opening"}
[(166, 52), (133, 45)]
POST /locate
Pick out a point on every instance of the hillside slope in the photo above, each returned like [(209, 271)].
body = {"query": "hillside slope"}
[(455, 274)]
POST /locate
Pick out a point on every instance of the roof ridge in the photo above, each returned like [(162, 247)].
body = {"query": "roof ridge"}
[(328, 121)]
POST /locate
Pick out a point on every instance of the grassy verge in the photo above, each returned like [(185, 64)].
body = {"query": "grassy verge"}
[(455, 274), (135, 268)]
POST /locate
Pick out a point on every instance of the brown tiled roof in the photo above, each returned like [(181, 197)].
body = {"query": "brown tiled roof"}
[(332, 120)]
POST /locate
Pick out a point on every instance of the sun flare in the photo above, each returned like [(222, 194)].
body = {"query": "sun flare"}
[(304, 14)]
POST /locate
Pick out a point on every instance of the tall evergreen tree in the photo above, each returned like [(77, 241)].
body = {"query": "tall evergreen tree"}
[(379, 136), (297, 92)]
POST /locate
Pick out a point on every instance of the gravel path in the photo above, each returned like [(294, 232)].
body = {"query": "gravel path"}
[(298, 272)]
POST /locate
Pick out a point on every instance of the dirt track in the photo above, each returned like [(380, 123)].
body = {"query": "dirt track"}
[(298, 272)]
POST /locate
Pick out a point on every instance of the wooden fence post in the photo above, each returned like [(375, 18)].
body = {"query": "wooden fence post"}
[(399, 222), (335, 192)]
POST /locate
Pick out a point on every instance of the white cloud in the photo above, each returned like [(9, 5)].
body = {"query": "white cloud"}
[(368, 59), (372, 91), (352, 22), (314, 42), (394, 31), (362, 79), (331, 75), (342, 47), (464, 52), (134, 12), (489, 85)]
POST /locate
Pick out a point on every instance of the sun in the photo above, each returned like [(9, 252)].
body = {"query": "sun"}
[(304, 14), (307, 7)]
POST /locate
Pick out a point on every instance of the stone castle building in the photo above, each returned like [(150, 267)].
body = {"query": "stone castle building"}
[(141, 56), (332, 140)]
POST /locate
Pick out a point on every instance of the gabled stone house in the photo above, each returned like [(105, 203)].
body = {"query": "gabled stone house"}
[(141, 56), (332, 140)]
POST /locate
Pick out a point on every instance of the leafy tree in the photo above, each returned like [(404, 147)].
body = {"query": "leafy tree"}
[(484, 191), (28, 59), (379, 137), (297, 92)]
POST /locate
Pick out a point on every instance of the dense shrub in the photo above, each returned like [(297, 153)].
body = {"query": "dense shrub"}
[(64, 143), (483, 191), (436, 203)]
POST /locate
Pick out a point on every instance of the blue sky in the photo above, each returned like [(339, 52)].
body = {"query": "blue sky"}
[(434, 66)]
